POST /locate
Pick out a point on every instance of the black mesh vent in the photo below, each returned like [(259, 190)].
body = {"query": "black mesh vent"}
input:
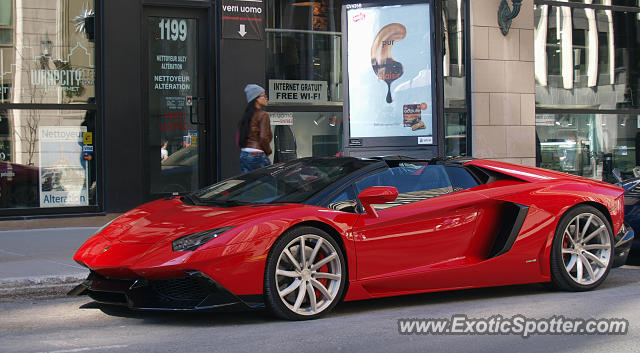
[(181, 288)]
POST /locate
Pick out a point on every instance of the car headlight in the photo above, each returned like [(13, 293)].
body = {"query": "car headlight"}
[(193, 241)]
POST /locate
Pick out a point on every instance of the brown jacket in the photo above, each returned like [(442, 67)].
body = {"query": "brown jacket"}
[(260, 134)]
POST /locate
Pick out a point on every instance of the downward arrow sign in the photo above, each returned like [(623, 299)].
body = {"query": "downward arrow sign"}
[(242, 30)]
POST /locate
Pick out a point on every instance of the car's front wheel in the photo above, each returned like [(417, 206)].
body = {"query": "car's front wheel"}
[(305, 274), (582, 251)]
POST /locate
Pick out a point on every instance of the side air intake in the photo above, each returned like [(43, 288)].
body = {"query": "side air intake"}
[(513, 216)]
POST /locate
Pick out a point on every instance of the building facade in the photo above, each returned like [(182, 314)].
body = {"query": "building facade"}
[(109, 104)]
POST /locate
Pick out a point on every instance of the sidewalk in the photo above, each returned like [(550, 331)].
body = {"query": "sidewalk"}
[(36, 256)]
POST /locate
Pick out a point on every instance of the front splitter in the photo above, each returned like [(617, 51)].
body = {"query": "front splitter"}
[(193, 292)]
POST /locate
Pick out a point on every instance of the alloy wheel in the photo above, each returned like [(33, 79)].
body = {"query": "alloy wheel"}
[(308, 274), (586, 248)]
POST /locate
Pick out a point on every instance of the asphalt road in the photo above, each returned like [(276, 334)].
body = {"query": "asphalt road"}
[(80, 325)]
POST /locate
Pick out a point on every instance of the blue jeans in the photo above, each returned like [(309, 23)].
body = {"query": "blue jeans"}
[(253, 160)]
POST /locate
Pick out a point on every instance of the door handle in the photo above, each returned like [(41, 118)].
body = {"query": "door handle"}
[(197, 99)]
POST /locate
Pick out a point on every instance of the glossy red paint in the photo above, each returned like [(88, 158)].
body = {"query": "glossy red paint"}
[(435, 244), (421, 234), (377, 195), (139, 242)]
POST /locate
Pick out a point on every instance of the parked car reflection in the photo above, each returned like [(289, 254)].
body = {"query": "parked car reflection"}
[(18, 185), (179, 172)]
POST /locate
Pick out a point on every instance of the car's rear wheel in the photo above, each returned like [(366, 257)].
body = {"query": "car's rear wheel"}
[(305, 274), (582, 254)]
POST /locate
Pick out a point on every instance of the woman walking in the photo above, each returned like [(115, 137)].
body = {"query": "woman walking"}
[(254, 131)]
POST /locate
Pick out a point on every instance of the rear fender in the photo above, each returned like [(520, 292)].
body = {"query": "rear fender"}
[(550, 200)]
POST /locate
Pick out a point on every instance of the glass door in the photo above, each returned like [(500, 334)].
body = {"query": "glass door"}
[(175, 100)]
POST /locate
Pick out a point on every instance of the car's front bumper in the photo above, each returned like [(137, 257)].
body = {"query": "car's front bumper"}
[(193, 291), (622, 242)]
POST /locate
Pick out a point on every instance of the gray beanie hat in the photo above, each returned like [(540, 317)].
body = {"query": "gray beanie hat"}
[(252, 91)]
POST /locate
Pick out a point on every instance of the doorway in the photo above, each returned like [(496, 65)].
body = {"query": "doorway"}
[(176, 110)]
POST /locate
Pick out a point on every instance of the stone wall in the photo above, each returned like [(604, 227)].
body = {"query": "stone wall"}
[(503, 87)]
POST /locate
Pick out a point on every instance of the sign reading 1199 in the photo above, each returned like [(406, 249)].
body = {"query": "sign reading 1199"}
[(173, 29)]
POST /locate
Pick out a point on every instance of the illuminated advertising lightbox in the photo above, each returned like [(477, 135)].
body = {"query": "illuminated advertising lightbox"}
[(389, 65)]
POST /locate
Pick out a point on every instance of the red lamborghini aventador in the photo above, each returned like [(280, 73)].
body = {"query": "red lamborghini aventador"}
[(301, 236)]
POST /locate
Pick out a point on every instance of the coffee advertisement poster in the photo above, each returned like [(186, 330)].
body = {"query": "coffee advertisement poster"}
[(389, 69)]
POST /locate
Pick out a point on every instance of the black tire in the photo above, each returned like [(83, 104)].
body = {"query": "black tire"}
[(274, 285), (563, 277)]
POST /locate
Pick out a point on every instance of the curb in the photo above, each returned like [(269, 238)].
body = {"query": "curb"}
[(39, 287)]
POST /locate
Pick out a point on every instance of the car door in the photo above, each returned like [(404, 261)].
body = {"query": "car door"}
[(428, 227)]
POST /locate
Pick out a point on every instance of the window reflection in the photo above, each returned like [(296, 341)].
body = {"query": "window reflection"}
[(585, 58), (589, 145), (455, 134), (454, 57), (47, 158), (306, 134), (50, 59), (6, 22), (304, 45), (304, 68), (454, 72)]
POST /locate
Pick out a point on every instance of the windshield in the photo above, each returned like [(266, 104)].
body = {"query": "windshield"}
[(291, 182)]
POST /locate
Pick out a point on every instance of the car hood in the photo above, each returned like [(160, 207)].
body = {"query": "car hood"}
[(165, 220)]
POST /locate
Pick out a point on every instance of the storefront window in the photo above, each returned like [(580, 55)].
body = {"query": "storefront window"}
[(453, 59), (306, 134), (455, 136), (304, 77), (52, 59), (47, 154), (586, 58), (304, 52), (6, 22), (587, 76), (589, 145), (47, 158), (454, 72)]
